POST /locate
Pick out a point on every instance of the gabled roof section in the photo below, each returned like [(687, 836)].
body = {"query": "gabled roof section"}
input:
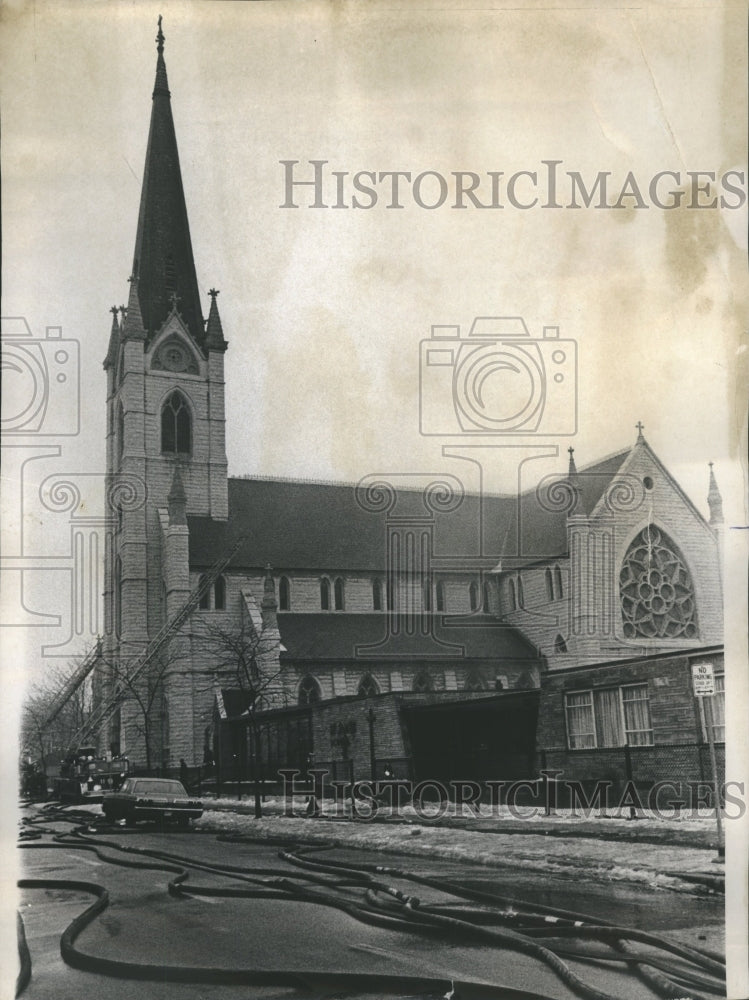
[(297, 525), (163, 264), (641, 445), (335, 637)]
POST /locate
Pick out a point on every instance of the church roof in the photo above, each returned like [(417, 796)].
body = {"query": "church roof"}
[(327, 637), (163, 264), (298, 525)]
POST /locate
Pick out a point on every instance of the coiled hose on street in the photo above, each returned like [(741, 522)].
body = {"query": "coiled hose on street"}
[(546, 934)]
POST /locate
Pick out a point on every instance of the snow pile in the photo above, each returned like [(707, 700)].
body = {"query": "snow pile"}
[(601, 860)]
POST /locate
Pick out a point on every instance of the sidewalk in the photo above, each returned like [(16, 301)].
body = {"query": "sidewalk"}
[(675, 854)]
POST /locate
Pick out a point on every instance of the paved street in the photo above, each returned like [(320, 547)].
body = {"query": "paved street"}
[(285, 932)]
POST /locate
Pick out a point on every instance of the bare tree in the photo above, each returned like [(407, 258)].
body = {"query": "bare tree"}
[(44, 738), (145, 693), (238, 655)]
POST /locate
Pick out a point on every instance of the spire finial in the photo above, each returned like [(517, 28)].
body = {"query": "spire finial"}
[(714, 499), (573, 479), (160, 39), (640, 428), (214, 334)]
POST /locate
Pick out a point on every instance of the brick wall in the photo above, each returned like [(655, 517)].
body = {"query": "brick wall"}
[(673, 708)]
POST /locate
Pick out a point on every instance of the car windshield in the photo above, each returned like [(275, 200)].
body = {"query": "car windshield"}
[(161, 787)]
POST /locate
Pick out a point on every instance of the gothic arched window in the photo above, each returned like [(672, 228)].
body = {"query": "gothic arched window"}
[(120, 432), (377, 595), (164, 720), (284, 594), (115, 733), (176, 426), (325, 594), (511, 594), (118, 597), (427, 594), (521, 595), (656, 590), (205, 597), (486, 603), (473, 681), (338, 593), (219, 594), (368, 686), (422, 682), (473, 596), (558, 581), (549, 585), (440, 596), (309, 691), (560, 646)]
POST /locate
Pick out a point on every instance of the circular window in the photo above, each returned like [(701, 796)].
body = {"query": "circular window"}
[(647, 483)]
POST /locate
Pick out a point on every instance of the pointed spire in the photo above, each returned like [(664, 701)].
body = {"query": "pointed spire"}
[(714, 500), (163, 263), (161, 85), (214, 333), (114, 339), (269, 602), (132, 321), (177, 499), (573, 478), (572, 473)]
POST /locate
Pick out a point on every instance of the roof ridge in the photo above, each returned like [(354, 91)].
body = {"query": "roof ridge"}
[(309, 481)]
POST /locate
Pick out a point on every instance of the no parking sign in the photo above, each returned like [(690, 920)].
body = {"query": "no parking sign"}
[(703, 679)]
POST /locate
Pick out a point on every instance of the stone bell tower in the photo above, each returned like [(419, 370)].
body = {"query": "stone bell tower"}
[(165, 416)]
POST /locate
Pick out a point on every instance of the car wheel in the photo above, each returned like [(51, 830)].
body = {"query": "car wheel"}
[(130, 821)]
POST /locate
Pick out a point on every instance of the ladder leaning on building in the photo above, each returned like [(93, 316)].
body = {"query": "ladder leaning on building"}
[(102, 712)]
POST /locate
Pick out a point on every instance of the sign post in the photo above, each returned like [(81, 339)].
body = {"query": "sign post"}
[(703, 682)]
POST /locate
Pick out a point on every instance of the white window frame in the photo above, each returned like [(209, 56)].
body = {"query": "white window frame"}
[(620, 688)]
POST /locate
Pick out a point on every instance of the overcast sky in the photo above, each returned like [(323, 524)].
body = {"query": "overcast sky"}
[(324, 309)]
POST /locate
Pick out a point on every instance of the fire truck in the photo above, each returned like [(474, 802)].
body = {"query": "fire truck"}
[(84, 776)]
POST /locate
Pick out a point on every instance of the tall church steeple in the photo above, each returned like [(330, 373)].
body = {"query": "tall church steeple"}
[(163, 265)]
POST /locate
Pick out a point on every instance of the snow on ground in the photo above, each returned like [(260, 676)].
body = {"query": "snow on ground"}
[(564, 854), (602, 860), (612, 819)]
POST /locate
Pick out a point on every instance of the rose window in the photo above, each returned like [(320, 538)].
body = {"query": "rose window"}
[(656, 591)]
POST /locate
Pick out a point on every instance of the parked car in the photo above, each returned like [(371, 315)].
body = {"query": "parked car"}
[(151, 798)]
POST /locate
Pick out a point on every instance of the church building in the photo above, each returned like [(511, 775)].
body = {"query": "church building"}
[(349, 622)]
